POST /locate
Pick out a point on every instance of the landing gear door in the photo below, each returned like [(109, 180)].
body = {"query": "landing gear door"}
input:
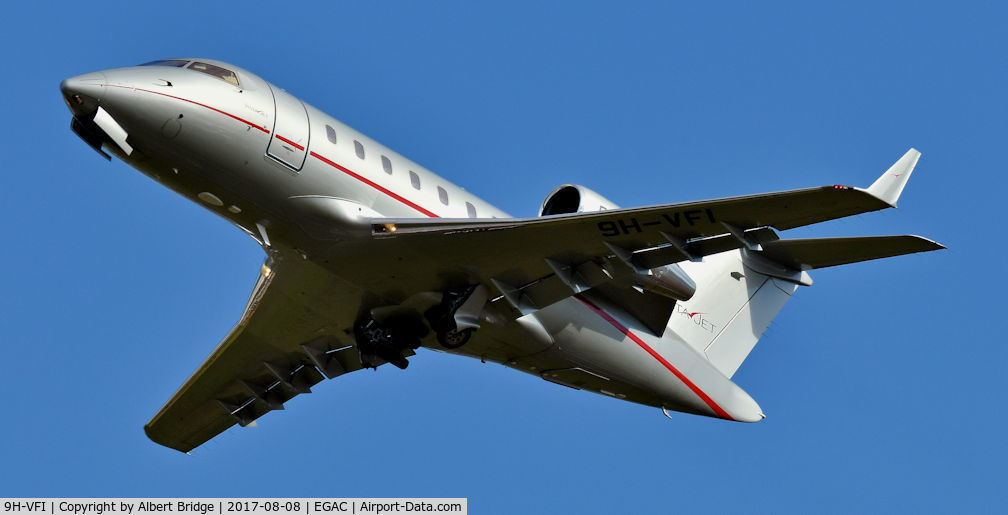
[(289, 141)]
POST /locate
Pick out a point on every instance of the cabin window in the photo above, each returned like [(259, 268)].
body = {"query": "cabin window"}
[(330, 134), (471, 209), (359, 149), (443, 195), (414, 179), (386, 165), (215, 71)]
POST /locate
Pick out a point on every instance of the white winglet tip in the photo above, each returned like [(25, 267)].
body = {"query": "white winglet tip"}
[(890, 185)]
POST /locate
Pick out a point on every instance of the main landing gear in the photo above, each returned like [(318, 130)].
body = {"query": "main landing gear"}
[(389, 339), (395, 337), (457, 317)]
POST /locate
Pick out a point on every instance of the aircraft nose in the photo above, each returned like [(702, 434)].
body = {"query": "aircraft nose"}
[(83, 92)]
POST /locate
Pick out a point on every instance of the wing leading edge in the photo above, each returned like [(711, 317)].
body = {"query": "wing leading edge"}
[(688, 221), (287, 340)]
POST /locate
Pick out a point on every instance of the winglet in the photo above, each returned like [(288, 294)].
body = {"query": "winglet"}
[(889, 186)]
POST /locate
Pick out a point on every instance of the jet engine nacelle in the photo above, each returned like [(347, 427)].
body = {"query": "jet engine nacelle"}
[(669, 280), (574, 198)]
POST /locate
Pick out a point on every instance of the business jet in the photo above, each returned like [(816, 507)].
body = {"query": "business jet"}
[(370, 256)]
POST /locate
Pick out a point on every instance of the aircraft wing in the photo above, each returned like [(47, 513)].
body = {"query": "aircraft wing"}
[(687, 220), (289, 335), (653, 235), (534, 262)]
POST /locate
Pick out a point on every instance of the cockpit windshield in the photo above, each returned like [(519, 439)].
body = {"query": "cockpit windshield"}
[(177, 63), (207, 68), (216, 71)]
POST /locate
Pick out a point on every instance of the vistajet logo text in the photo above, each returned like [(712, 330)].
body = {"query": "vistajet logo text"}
[(698, 318)]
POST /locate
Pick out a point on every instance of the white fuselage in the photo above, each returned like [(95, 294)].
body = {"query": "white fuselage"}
[(289, 175)]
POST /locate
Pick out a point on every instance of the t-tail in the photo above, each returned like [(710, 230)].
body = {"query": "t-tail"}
[(740, 292)]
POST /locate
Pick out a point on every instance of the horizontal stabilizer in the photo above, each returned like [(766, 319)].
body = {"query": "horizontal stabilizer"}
[(807, 254), (889, 186)]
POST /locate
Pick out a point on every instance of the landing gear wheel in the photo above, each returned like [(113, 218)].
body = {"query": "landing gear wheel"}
[(388, 340), (442, 317), (454, 339)]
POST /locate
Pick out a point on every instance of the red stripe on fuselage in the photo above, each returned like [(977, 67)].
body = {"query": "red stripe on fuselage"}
[(285, 140), (225, 113), (345, 170), (374, 185), (636, 339)]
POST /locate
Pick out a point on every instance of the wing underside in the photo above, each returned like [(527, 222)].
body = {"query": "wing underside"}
[(535, 262), (287, 340)]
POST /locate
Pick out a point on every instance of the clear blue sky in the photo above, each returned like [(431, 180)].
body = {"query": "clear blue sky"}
[(883, 383)]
